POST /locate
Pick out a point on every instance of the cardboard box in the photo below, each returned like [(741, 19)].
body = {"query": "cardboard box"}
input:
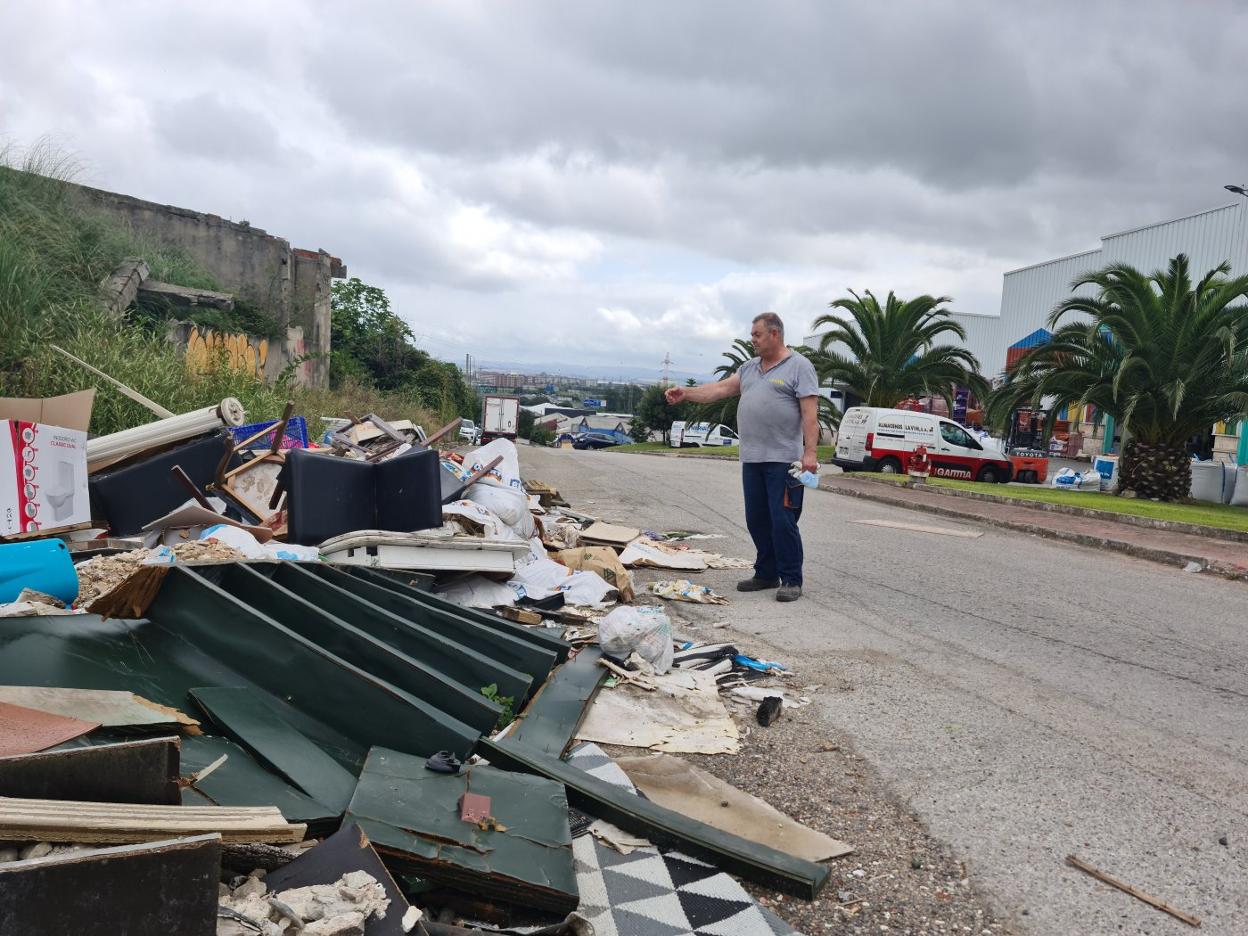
[(43, 463)]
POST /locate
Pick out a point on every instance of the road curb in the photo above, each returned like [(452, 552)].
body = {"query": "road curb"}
[(1166, 526), (1167, 557)]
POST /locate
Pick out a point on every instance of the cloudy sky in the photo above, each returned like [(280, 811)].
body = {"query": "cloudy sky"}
[(603, 182)]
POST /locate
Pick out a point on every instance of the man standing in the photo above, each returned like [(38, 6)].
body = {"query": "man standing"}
[(778, 424)]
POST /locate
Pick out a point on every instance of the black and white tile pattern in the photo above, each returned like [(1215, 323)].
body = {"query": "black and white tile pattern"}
[(657, 892)]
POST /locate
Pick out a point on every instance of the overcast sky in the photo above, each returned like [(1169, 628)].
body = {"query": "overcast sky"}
[(603, 182)]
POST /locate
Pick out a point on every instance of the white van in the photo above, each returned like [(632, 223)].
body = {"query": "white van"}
[(702, 435), (875, 439)]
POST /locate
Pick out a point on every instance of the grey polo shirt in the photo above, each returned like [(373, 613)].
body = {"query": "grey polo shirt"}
[(769, 419)]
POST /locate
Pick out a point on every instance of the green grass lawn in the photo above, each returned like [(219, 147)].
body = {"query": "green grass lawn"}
[(1220, 516), (825, 452)]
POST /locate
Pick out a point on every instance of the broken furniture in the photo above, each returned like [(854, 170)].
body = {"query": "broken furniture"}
[(515, 847), (130, 497), (35, 820), (328, 496), (226, 479)]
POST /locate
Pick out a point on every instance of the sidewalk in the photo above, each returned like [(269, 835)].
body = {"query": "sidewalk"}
[(1225, 557)]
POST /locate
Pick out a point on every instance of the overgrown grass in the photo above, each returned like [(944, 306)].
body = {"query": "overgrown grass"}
[(825, 452), (54, 253), (1218, 516)]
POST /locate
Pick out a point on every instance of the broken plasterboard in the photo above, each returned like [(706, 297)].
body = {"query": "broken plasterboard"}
[(678, 785), (608, 534), (683, 715)]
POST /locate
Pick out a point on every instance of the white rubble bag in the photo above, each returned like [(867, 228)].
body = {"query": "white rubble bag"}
[(1070, 480), (501, 491), (1239, 490), (643, 629), (1212, 482)]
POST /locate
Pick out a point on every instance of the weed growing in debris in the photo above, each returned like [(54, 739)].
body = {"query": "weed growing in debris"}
[(508, 704), (55, 251)]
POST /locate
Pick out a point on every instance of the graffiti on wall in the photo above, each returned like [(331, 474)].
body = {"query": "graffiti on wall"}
[(245, 353)]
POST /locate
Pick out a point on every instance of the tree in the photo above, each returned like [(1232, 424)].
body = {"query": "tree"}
[(654, 414), (1165, 358), (372, 344), (893, 352)]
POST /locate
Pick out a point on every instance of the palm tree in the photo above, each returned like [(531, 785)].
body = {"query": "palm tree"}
[(725, 411), (893, 352), (1167, 360)]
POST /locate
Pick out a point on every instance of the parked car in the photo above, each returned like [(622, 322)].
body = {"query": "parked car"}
[(877, 439), (469, 432), (702, 435), (597, 440)]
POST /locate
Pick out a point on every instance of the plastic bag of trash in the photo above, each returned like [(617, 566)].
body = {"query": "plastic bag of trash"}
[(1070, 480), (644, 629), (501, 490)]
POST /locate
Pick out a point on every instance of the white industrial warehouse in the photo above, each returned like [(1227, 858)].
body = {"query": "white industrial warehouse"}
[(1029, 294)]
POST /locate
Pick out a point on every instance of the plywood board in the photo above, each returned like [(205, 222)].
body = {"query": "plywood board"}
[(919, 528)]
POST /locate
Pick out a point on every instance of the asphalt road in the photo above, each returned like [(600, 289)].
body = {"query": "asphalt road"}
[(1026, 698)]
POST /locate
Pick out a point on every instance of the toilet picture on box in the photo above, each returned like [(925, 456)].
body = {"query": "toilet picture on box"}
[(60, 493)]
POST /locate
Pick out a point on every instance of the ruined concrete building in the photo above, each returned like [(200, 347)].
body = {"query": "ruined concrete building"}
[(291, 283)]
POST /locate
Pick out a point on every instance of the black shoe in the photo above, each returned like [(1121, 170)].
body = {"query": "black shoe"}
[(789, 593), (757, 584)]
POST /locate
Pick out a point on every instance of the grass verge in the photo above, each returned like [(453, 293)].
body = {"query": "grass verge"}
[(1218, 516)]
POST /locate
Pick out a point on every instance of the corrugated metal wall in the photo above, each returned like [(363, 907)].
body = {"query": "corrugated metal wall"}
[(1208, 238)]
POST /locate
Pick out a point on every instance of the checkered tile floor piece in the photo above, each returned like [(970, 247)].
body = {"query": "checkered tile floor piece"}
[(656, 892)]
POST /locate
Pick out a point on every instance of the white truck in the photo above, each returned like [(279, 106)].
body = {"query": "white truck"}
[(702, 435), (500, 418)]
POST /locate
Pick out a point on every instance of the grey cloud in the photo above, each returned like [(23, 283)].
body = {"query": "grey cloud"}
[(209, 127)]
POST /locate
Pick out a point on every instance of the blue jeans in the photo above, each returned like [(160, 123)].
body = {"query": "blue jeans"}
[(773, 505)]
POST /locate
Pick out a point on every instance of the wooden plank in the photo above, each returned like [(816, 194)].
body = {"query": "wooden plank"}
[(243, 715), (38, 820), (150, 889), (130, 772), (729, 852), (551, 721), (1076, 862), (919, 528)]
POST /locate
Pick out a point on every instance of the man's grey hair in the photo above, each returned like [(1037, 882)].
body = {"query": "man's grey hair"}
[(771, 321)]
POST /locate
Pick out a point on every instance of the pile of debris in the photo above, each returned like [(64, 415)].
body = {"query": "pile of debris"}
[(351, 686)]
